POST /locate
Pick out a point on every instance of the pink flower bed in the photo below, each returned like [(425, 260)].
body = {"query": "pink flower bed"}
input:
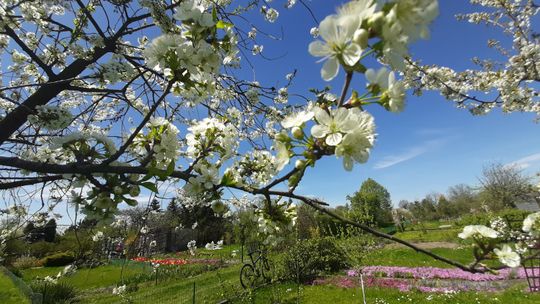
[(424, 279), (437, 273)]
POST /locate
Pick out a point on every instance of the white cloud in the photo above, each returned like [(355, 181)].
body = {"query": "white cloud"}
[(434, 131), (525, 162), (427, 146)]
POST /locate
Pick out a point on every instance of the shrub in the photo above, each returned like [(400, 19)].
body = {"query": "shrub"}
[(356, 248), (58, 259), (41, 249), (309, 258), (25, 262), (484, 218), (55, 293)]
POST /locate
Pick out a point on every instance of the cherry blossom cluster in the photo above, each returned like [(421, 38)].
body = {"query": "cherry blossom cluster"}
[(509, 83), (134, 111), (51, 118), (359, 29)]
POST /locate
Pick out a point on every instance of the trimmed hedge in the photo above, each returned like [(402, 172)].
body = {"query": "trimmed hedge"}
[(58, 259)]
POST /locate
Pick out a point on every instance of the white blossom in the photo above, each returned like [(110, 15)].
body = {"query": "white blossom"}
[(531, 223), (98, 236), (507, 256), (333, 125), (475, 231), (337, 44)]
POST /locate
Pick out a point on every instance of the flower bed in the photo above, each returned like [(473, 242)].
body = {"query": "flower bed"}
[(437, 273), (425, 279), (176, 261), (404, 285), (168, 261)]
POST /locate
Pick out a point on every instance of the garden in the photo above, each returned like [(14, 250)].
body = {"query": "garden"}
[(263, 151), (323, 261)]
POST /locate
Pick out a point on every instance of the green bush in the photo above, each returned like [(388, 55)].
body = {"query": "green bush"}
[(26, 262), (485, 217), (41, 249), (55, 293), (309, 258), (58, 259)]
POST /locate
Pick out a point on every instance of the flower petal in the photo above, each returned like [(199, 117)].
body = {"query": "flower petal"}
[(319, 131), (333, 139), (322, 116), (319, 49), (371, 76), (352, 54), (328, 28), (330, 69), (341, 114)]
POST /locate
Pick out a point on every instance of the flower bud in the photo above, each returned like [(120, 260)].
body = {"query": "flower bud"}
[(361, 38), (299, 164), (118, 190), (103, 201), (297, 133), (134, 191), (218, 207), (283, 137), (376, 21)]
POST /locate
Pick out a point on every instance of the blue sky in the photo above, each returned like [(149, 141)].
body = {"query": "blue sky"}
[(431, 145)]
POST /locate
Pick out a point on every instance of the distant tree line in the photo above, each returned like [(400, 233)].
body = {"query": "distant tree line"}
[(500, 187)]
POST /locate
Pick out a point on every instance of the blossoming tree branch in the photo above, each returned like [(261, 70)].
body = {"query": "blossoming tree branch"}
[(92, 110)]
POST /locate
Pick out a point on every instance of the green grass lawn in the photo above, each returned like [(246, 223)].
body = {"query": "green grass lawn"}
[(410, 258), (289, 293), (88, 278), (9, 293), (446, 235), (210, 287)]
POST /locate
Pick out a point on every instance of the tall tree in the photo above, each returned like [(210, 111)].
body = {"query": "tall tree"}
[(504, 186), (172, 207), (155, 206), (49, 231), (371, 203), (463, 197)]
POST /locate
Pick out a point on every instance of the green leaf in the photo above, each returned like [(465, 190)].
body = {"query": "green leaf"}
[(170, 169), (227, 179), (150, 186), (222, 24), (131, 202), (214, 14)]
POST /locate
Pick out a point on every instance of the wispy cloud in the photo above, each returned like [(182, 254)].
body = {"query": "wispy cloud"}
[(525, 162), (413, 152), (434, 131)]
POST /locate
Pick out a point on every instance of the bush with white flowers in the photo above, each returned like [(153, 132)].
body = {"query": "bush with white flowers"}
[(510, 246)]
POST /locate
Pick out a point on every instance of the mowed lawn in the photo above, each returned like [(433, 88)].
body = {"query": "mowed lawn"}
[(88, 278), (410, 258), (289, 293), (9, 293)]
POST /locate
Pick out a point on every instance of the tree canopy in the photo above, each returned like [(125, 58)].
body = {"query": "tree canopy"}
[(371, 203)]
